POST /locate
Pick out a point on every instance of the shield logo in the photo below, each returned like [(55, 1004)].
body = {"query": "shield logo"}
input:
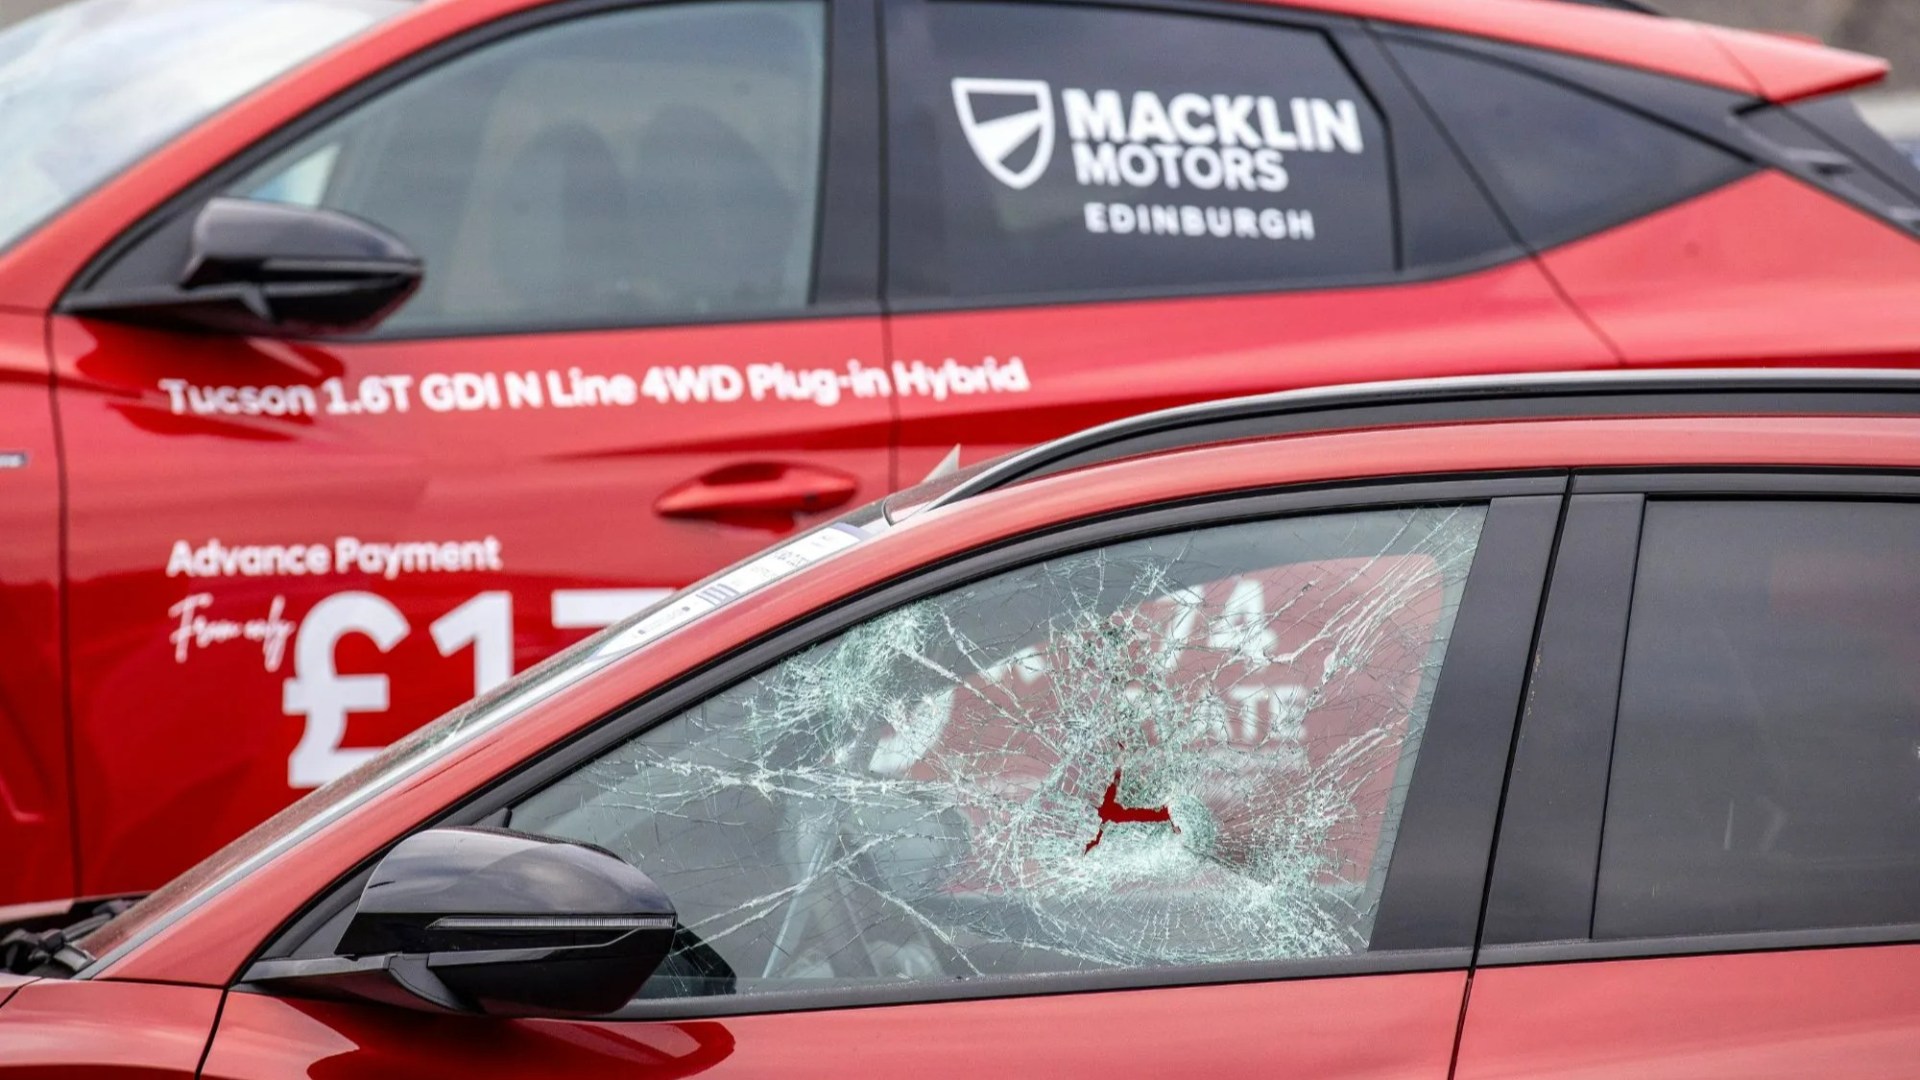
[(997, 141)]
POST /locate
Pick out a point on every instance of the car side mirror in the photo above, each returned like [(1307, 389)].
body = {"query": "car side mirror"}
[(273, 269), (494, 922)]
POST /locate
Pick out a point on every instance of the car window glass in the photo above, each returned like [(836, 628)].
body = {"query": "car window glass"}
[(1180, 750), (1561, 162), (89, 88), (1053, 150), (1447, 221), (1766, 770), (640, 166)]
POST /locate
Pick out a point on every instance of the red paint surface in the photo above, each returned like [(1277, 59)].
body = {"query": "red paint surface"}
[(1112, 813), (10, 982), (209, 944), (177, 751), (1838, 1014), (1091, 363), (61, 1028), (1787, 69), (36, 839), (1383, 1027), (1766, 270)]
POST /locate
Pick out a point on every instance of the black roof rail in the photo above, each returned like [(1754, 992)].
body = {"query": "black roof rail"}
[(1686, 391)]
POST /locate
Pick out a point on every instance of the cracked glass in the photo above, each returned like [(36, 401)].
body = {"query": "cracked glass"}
[(1181, 750)]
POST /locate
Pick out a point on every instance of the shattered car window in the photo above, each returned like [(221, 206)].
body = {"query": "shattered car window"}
[(1179, 750)]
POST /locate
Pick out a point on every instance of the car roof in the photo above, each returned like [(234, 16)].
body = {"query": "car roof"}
[(1774, 67), (1460, 399)]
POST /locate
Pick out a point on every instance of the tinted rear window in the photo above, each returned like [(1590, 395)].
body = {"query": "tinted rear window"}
[(1766, 770), (1561, 162)]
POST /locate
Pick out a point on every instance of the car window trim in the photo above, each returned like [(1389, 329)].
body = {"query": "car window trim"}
[(1447, 833), (848, 241), (1525, 498), (1005, 987), (1402, 106), (1642, 487), (1767, 483), (1547, 850), (849, 155), (1759, 941)]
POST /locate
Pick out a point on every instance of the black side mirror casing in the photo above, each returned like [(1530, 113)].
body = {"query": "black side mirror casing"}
[(273, 269), (494, 922)]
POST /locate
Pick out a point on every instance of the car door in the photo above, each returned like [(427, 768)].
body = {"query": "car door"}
[(1097, 211), (35, 814), (633, 359), (1200, 790), (1710, 855)]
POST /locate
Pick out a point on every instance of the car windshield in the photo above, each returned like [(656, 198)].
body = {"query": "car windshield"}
[(474, 719), (88, 87)]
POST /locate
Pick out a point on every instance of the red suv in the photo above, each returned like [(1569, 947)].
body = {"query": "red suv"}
[(355, 354), (1233, 741)]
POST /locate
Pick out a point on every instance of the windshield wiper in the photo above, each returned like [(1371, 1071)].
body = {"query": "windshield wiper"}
[(33, 947)]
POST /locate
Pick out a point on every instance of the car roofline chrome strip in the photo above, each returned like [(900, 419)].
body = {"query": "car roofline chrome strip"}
[(1027, 464)]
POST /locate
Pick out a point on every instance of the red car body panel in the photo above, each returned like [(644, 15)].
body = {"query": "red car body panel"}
[(1765, 270), (10, 982), (1387, 1027), (172, 717), (210, 943), (150, 794), (1821, 1012), (52, 1027), (1787, 69), (35, 805), (1091, 363)]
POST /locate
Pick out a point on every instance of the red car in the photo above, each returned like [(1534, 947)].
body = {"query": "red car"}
[(1239, 740), (357, 354)]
